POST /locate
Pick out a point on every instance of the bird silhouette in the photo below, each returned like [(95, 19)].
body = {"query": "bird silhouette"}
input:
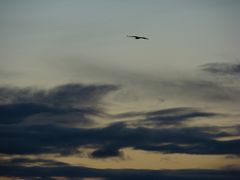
[(138, 37)]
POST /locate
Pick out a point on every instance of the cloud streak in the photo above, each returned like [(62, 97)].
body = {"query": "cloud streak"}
[(222, 68), (50, 169), (170, 116)]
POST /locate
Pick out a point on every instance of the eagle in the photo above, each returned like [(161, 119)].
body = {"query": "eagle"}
[(138, 37)]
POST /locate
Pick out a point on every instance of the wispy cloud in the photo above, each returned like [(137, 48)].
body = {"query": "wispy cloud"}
[(170, 116), (222, 68)]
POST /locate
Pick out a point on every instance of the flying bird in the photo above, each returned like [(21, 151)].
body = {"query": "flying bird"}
[(138, 37)]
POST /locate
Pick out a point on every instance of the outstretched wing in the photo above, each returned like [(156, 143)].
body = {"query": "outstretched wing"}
[(144, 38), (133, 36)]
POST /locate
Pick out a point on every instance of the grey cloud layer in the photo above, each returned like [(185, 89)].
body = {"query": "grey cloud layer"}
[(70, 103), (23, 133), (37, 139), (64, 96), (43, 122), (53, 169)]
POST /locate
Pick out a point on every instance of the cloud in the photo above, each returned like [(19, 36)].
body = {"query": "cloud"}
[(31, 162), (47, 169), (106, 152), (67, 104), (13, 113), (108, 141), (174, 116), (222, 68), (44, 122), (69, 95), (35, 122), (207, 147)]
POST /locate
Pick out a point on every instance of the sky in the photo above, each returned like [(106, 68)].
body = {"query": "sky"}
[(81, 100)]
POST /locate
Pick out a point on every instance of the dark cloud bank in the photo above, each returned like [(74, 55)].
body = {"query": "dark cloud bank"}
[(66, 101), (43, 122), (49, 169)]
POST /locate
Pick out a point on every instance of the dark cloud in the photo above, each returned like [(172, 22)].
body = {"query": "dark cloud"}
[(210, 147), (15, 113), (50, 169), (108, 141), (43, 113), (170, 116), (31, 162), (67, 104), (175, 116), (69, 95), (31, 123), (106, 152), (222, 68), (34, 122)]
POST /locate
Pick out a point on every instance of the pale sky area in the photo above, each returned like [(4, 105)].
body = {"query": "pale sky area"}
[(59, 41), (76, 91)]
